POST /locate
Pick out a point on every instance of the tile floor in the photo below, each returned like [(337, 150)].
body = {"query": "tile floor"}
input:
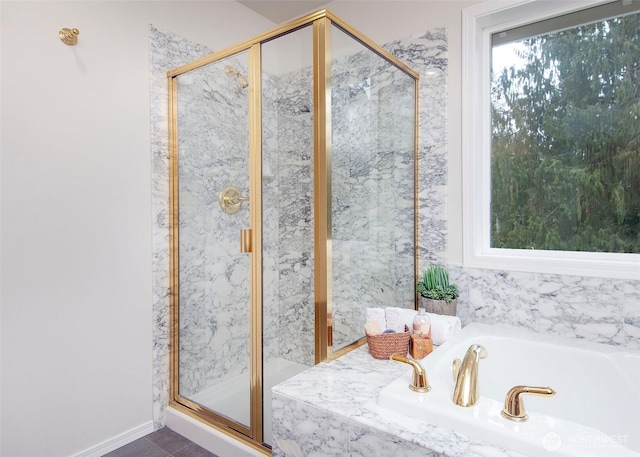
[(161, 443)]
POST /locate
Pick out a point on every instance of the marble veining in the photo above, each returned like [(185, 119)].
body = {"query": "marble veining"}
[(213, 148), (270, 232), (372, 120), (596, 309), (294, 206), (426, 53), (365, 442), (308, 431), (372, 179), (166, 51)]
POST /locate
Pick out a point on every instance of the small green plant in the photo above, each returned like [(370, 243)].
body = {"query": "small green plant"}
[(435, 284)]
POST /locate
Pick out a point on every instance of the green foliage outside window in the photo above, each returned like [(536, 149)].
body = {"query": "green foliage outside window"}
[(565, 165)]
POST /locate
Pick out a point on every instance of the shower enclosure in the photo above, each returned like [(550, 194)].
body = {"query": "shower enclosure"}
[(293, 190)]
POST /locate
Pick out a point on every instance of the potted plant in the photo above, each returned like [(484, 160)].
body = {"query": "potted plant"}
[(435, 292)]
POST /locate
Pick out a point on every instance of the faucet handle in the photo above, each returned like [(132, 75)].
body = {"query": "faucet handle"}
[(514, 406), (420, 382)]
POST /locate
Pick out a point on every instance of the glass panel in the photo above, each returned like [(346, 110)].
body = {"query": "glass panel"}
[(287, 200), (213, 153), (372, 125)]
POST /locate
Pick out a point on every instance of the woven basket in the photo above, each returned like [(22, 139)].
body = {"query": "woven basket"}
[(382, 346)]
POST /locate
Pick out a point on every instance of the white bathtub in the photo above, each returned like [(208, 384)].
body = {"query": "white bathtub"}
[(595, 412)]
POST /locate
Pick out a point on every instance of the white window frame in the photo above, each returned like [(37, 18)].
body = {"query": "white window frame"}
[(478, 23)]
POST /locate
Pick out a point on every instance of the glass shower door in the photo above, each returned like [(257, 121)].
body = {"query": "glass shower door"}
[(214, 281)]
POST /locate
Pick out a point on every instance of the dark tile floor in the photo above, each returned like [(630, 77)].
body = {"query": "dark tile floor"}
[(161, 443)]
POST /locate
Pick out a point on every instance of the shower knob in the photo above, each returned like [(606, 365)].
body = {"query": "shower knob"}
[(231, 199)]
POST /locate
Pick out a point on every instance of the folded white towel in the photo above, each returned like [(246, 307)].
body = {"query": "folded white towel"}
[(442, 327), (397, 318), (377, 314)]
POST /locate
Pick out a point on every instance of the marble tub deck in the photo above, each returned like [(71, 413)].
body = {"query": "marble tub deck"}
[(331, 410)]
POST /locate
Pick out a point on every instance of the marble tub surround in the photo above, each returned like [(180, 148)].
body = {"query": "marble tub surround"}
[(595, 309), (331, 410)]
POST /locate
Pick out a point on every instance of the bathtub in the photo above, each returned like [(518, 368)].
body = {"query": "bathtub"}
[(595, 412)]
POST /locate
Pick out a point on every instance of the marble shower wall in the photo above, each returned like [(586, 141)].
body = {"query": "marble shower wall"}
[(372, 198), (427, 54), (166, 51), (372, 190), (270, 219), (294, 130)]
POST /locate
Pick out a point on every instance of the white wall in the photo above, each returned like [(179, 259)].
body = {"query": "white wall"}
[(385, 21), (76, 299)]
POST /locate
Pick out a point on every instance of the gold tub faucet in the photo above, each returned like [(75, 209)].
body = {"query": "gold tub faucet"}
[(465, 374), (513, 405), (420, 382)]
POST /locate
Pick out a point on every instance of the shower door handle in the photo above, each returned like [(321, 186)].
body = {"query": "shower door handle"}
[(245, 241)]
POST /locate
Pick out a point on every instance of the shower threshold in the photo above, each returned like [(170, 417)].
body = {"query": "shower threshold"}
[(230, 398)]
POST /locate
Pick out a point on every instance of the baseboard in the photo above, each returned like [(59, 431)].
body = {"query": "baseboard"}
[(117, 441)]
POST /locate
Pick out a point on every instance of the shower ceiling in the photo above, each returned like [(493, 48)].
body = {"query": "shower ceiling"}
[(280, 11)]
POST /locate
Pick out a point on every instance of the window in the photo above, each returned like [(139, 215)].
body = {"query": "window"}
[(553, 166)]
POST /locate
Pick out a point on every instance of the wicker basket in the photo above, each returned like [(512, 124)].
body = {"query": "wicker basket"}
[(382, 346)]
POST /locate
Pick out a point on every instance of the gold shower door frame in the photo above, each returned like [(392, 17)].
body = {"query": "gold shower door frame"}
[(322, 21)]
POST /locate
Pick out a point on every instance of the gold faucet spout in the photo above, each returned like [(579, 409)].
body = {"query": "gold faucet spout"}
[(420, 382), (465, 374), (514, 406)]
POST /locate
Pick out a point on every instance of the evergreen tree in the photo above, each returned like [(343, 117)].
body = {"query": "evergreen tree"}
[(565, 165)]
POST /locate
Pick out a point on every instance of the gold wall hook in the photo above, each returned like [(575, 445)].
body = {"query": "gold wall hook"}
[(69, 36)]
